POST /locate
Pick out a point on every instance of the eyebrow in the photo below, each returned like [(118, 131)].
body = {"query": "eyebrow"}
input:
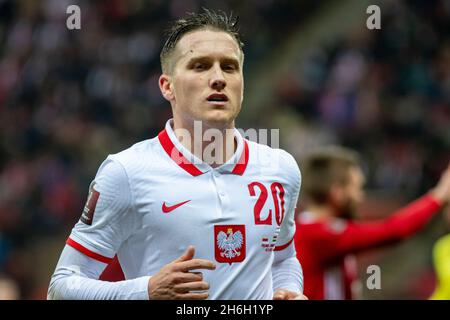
[(208, 58)]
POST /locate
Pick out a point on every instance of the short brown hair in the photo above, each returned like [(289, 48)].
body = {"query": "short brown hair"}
[(324, 167), (207, 19)]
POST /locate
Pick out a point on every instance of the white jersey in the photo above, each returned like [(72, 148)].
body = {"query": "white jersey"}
[(148, 203)]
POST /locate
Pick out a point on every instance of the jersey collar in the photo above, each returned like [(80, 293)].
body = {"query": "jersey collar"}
[(192, 164)]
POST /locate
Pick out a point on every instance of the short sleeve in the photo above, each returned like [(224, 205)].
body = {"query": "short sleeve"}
[(107, 219), (293, 178)]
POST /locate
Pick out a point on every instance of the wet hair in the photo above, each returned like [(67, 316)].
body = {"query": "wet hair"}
[(207, 19)]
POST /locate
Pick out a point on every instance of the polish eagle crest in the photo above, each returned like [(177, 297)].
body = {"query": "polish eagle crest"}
[(230, 243)]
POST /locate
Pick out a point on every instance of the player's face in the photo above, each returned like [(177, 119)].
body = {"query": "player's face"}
[(207, 79), (353, 193)]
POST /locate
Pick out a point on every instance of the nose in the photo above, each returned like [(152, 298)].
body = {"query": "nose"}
[(217, 81)]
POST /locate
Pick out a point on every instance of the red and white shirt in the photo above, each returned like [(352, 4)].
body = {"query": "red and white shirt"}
[(326, 248), (148, 203)]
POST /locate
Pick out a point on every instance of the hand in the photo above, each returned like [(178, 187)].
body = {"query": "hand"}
[(282, 294), (174, 281), (442, 190)]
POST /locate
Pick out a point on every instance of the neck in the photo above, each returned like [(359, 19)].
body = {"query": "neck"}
[(213, 144)]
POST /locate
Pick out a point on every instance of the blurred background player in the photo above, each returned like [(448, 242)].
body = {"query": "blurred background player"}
[(441, 263), (327, 235)]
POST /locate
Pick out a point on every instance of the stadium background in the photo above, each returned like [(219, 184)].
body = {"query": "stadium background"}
[(312, 69)]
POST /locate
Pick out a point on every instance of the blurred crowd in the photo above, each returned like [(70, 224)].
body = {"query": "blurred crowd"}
[(385, 93), (68, 98)]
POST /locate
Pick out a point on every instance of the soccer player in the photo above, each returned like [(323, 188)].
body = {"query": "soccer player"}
[(185, 225), (327, 236)]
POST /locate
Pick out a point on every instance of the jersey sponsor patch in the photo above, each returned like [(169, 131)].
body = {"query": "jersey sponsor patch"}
[(89, 208), (229, 243), (268, 243)]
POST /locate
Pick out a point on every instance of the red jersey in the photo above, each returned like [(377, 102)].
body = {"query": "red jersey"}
[(325, 248)]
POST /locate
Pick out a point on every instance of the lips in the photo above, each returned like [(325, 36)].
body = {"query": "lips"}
[(217, 98)]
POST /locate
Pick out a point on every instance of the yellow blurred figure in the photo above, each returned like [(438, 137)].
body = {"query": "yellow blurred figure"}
[(441, 260)]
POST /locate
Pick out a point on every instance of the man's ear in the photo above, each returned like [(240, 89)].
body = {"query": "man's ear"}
[(165, 85), (336, 194)]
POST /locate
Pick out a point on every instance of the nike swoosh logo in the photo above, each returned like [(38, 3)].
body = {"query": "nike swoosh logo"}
[(167, 209)]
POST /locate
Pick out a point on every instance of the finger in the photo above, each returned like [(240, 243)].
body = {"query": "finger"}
[(183, 277), (280, 295), (191, 286), (187, 255), (194, 264), (300, 297), (198, 273), (294, 296), (193, 296)]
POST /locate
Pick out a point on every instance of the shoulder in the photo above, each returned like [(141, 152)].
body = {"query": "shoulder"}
[(126, 164), (136, 157), (139, 150), (306, 222), (319, 233), (281, 162)]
